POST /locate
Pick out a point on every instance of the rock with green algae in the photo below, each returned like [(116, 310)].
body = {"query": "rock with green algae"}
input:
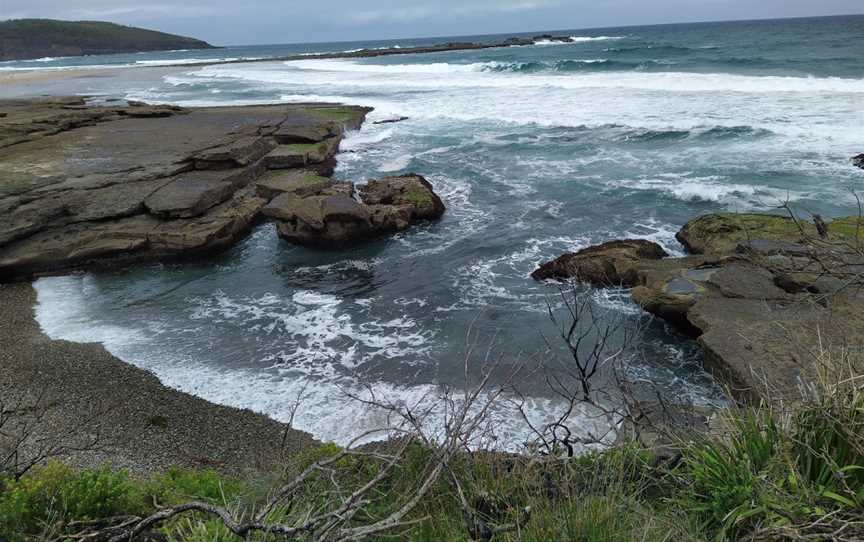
[(722, 233), (299, 181), (754, 298)]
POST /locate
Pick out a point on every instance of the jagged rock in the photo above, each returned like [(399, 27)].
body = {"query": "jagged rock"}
[(754, 302), (391, 121), (858, 161), (215, 230), (313, 133), (608, 264), (412, 192)]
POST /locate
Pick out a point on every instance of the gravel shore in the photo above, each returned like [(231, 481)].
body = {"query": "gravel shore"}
[(140, 424)]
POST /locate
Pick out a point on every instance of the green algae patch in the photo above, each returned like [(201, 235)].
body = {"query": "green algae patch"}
[(420, 198), (302, 148), (846, 228), (345, 116)]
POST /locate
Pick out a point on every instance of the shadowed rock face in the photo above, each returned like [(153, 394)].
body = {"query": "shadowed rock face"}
[(858, 161), (754, 293), (84, 186)]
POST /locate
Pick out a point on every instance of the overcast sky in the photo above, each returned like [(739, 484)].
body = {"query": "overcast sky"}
[(232, 22)]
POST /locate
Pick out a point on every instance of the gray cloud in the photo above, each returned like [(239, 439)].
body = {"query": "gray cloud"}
[(275, 21)]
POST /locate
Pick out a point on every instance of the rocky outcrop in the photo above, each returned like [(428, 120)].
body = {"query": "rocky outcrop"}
[(84, 186), (754, 292), (313, 212), (858, 161)]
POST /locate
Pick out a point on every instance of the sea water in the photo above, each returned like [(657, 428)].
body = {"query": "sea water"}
[(536, 151)]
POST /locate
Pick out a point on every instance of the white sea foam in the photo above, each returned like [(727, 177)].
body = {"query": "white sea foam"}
[(314, 330), (328, 410), (782, 106), (713, 188), (577, 39), (397, 164)]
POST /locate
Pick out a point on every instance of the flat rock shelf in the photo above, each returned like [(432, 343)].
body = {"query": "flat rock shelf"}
[(84, 185)]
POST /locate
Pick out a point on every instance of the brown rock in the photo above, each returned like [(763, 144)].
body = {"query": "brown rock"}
[(608, 264), (332, 216), (412, 191)]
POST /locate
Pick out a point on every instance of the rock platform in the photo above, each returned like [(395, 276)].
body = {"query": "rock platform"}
[(84, 185)]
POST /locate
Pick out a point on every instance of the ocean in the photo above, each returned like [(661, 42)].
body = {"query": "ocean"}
[(536, 151)]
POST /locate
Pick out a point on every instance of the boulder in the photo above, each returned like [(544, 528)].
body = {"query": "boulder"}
[(410, 191), (315, 213), (858, 161), (330, 218), (608, 264)]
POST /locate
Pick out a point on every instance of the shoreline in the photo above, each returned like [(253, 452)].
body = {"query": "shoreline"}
[(141, 424), (361, 53)]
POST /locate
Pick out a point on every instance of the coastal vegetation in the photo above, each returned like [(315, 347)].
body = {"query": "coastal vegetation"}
[(22, 39), (795, 476)]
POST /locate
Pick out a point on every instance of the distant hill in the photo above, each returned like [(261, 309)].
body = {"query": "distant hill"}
[(23, 39)]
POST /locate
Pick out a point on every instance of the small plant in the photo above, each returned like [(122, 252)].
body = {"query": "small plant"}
[(731, 482)]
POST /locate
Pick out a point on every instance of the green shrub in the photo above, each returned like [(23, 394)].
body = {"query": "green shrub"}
[(732, 483), (56, 492), (179, 485)]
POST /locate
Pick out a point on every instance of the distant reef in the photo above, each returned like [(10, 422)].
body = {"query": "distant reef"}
[(24, 39)]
